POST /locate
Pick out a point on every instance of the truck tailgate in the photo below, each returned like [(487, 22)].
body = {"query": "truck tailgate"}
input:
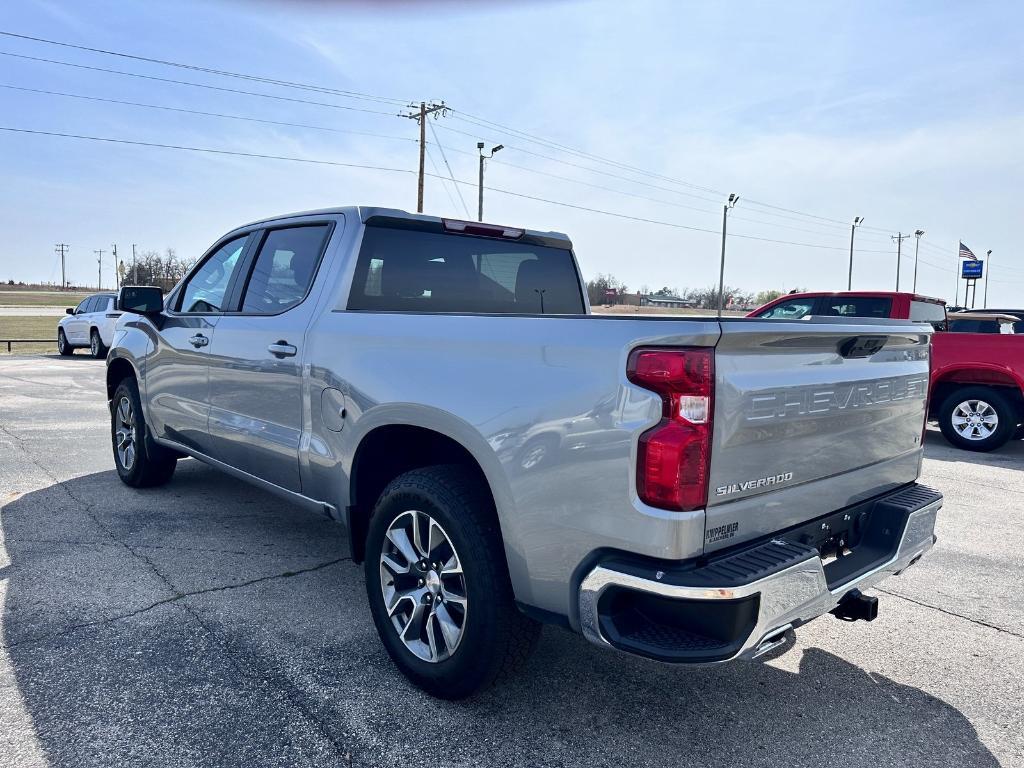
[(810, 417)]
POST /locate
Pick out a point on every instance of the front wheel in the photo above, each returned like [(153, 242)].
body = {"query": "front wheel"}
[(977, 418), (140, 462), (438, 584), (65, 349)]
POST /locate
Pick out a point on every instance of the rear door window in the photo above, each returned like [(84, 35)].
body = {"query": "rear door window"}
[(420, 271), (856, 306), (284, 268), (792, 309)]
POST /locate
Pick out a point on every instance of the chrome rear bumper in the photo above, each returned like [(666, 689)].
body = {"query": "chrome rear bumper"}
[(786, 598)]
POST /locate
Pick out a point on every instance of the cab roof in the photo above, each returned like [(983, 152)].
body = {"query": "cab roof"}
[(364, 213)]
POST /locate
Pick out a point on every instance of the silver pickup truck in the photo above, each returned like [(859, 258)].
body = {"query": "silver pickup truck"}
[(681, 488)]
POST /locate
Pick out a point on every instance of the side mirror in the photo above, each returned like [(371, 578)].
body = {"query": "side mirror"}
[(141, 299), (69, 311)]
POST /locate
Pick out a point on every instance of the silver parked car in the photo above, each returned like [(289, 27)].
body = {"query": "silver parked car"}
[(90, 325), (685, 489)]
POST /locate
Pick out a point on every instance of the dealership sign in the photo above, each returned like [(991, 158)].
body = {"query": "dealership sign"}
[(971, 270)]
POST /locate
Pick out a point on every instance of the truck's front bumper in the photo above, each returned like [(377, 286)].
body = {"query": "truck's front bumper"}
[(740, 605)]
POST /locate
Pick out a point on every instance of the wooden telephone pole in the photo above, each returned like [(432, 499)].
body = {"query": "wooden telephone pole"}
[(419, 114)]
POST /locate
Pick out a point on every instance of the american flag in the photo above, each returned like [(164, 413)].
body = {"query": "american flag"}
[(967, 253)]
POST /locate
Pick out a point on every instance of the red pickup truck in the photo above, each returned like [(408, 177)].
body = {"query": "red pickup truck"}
[(977, 379)]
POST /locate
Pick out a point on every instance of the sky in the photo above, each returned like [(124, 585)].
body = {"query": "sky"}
[(650, 113)]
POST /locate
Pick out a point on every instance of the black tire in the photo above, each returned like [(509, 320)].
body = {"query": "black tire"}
[(96, 347), (986, 401), (149, 463), (65, 349), (496, 637)]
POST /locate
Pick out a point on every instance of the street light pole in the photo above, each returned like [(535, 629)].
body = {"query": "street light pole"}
[(857, 221), (988, 266), (733, 199), (480, 189), (917, 246)]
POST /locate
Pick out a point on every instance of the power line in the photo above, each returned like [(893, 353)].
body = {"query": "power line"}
[(206, 150), (586, 168), (440, 146), (202, 113), (639, 182), (209, 70), (196, 85), (450, 174), (464, 116), (483, 123), (561, 203), (437, 170), (651, 199)]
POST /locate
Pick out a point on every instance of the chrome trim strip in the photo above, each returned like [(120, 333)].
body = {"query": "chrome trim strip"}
[(792, 596)]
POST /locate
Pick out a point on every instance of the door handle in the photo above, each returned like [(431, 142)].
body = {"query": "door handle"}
[(282, 349), (198, 341)]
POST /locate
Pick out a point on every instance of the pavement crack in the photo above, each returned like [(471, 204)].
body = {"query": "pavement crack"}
[(954, 614), (179, 596)]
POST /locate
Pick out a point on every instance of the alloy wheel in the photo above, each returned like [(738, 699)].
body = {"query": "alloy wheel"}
[(975, 420), (423, 586), (124, 433)]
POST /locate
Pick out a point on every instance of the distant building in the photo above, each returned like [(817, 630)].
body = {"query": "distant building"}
[(664, 301)]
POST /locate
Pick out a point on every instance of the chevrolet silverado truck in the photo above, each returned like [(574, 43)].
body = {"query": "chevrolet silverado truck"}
[(977, 372), (705, 486)]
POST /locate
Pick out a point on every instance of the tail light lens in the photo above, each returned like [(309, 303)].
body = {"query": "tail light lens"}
[(675, 455)]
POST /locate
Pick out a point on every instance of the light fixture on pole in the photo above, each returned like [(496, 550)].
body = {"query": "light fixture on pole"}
[(917, 247), (857, 221), (731, 203), (480, 196)]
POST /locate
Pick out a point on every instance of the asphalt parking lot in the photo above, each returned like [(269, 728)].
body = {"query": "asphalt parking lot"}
[(207, 623)]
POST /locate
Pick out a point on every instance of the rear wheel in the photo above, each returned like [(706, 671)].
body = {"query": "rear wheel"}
[(438, 584), (63, 346), (977, 418), (96, 346), (140, 462)]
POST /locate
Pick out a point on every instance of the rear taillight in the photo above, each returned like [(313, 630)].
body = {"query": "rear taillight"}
[(674, 456)]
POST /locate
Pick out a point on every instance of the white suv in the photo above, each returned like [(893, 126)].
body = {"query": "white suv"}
[(90, 324)]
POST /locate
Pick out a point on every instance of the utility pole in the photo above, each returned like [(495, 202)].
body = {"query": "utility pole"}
[(135, 268), (419, 114), (917, 246), (857, 221), (480, 200), (899, 237), (988, 258), (62, 249), (99, 275), (117, 271), (733, 199)]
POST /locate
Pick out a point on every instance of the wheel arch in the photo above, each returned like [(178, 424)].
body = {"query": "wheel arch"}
[(389, 450), (995, 377), (119, 369)]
